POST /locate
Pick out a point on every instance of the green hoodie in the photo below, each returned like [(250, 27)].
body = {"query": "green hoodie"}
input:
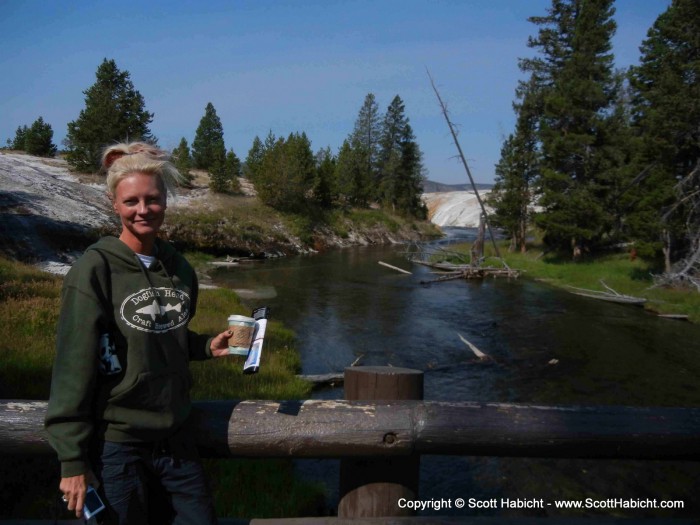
[(121, 371)]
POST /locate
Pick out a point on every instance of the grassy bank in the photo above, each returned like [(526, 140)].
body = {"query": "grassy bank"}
[(617, 270), (29, 306)]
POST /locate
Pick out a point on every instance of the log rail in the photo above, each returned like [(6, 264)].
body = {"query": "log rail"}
[(336, 429), (385, 416)]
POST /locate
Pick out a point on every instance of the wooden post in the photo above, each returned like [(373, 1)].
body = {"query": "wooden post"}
[(372, 487)]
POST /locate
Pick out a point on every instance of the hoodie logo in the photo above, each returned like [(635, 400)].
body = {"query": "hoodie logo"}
[(156, 309)]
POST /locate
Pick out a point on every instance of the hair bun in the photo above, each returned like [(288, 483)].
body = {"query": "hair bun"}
[(110, 157)]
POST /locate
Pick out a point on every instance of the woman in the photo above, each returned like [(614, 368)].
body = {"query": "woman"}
[(119, 405)]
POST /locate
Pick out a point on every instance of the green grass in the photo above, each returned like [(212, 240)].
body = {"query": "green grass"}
[(300, 226), (222, 378), (369, 218), (616, 270), (226, 221), (29, 306)]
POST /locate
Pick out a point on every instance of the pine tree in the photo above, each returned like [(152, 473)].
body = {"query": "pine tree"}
[(390, 154), (400, 163), (254, 159), (39, 139), (270, 142), (114, 111), (18, 143), (578, 94), (354, 189), (256, 155), (183, 161), (219, 179), (618, 173), (518, 168), (285, 179), (365, 139), (208, 139), (409, 180), (666, 86), (233, 171), (325, 188)]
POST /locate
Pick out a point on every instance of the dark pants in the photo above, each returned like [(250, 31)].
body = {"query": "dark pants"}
[(154, 483)]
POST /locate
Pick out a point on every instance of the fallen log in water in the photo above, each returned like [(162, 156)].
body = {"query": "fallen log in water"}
[(678, 317), (478, 353), (394, 267), (609, 295), (320, 380), (331, 380), (469, 272)]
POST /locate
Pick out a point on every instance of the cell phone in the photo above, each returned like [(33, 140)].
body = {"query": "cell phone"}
[(93, 504)]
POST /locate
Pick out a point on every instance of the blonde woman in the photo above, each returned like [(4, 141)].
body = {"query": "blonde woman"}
[(119, 405)]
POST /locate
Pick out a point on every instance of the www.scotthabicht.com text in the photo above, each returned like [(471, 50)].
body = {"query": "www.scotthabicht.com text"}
[(535, 503)]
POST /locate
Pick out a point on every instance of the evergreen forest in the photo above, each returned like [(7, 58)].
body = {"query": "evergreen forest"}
[(603, 158)]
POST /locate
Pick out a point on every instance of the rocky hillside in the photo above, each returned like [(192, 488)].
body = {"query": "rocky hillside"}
[(46, 213), (49, 215)]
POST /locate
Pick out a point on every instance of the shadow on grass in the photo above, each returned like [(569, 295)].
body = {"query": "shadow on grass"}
[(24, 382), (643, 274)]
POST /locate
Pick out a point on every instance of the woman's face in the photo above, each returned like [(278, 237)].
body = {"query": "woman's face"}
[(140, 202)]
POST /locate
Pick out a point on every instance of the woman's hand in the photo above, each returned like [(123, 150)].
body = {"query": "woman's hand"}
[(74, 489), (219, 345)]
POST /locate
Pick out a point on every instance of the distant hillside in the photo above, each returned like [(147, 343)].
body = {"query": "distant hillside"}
[(430, 186)]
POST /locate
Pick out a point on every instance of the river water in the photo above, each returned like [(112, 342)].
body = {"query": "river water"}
[(546, 346)]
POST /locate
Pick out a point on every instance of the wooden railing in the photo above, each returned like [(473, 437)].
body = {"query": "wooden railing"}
[(386, 417)]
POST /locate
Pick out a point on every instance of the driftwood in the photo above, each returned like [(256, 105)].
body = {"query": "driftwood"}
[(235, 261), (224, 263), (395, 268), (435, 258), (466, 271), (609, 295), (604, 296), (449, 277), (331, 380), (323, 380), (446, 266), (678, 317), (478, 353)]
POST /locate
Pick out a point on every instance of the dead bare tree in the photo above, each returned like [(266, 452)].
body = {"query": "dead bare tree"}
[(686, 271), (443, 107)]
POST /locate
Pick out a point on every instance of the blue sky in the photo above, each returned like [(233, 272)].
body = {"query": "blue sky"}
[(289, 66)]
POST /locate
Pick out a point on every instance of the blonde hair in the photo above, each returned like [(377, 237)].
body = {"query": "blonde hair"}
[(124, 159)]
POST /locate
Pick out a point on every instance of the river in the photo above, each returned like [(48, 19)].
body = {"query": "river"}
[(545, 346)]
